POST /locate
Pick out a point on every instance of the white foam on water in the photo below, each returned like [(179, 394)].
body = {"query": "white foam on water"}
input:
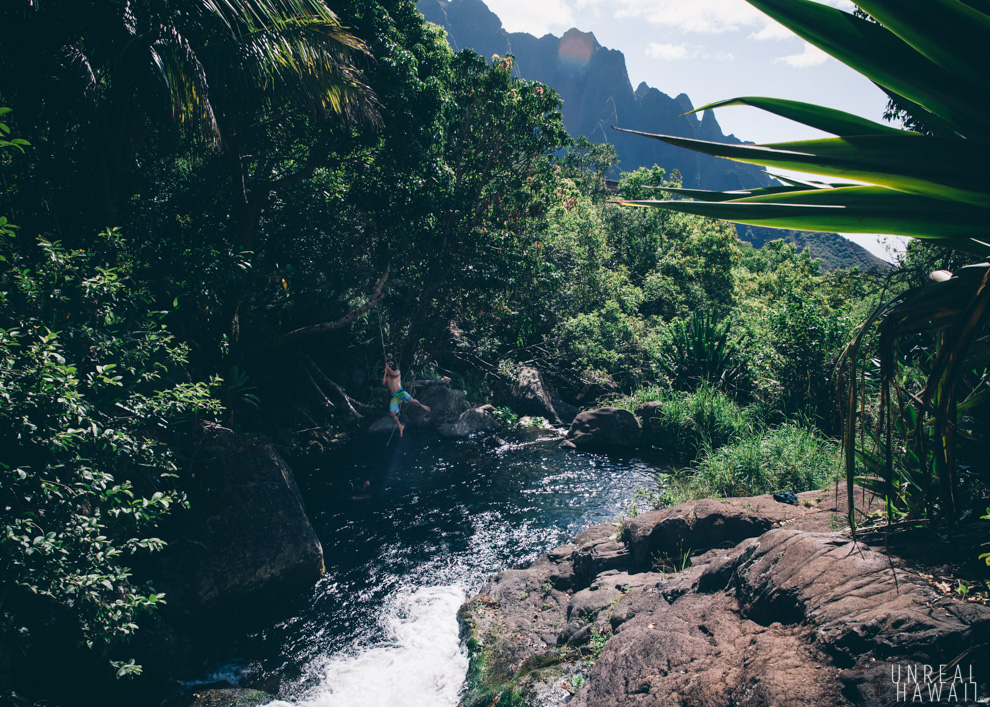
[(421, 663)]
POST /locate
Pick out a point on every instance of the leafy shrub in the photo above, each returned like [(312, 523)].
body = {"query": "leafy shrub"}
[(699, 351), (607, 340), (794, 351), (86, 402), (506, 415)]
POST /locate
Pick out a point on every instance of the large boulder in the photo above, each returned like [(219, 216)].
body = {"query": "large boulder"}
[(700, 651), (446, 405), (605, 427), (768, 608), (808, 618), (650, 416), (471, 422), (695, 526), (246, 531), (594, 387), (529, 394), (382, 424), (858, 598)]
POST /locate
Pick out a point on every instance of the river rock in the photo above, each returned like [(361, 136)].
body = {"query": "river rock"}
[(605, 427), (605, 592), (649, 415), (471, 422), (446, 405), (667, 535), (224, 697), (858, 598), (246, 531), (596, 387), (700, 650), (565, 411), (382, 424)]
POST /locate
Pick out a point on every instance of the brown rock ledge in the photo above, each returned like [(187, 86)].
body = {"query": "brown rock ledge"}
[(741, 601)]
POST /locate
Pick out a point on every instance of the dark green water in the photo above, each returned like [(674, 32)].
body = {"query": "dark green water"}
[(439, 519)]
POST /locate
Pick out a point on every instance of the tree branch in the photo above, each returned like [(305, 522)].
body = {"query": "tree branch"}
[(326, 401), (348, 401), (376, 296)]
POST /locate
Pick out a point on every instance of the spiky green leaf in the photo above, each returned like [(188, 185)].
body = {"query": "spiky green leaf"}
[(828, 120)]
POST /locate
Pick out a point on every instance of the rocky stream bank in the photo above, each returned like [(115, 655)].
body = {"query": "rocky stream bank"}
[(742, 601)]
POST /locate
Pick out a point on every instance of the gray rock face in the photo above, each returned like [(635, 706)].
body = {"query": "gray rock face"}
[(471, 422), (246, 531), (382, 424), (224, 697), (446, 405), (605, 427), (649, 417), (530, 395), (778, 612)]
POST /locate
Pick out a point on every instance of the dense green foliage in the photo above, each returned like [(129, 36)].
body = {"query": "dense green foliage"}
[(91, 385), (927, 184), (724, 448), (351, 190)]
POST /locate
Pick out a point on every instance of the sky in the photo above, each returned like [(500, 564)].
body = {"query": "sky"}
[(713, 50)]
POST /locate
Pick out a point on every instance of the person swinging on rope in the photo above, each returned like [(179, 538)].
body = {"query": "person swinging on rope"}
[(391, 379)]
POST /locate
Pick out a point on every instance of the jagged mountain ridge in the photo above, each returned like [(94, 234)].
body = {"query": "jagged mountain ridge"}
[(594, 84)]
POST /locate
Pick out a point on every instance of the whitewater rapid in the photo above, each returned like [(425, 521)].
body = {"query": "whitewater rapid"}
[(420, 664)]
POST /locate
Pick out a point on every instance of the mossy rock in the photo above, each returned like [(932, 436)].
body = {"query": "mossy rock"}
[(225, 697), (539, 674)]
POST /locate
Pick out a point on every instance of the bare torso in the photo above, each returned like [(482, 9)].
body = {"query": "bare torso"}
[(393, 381)]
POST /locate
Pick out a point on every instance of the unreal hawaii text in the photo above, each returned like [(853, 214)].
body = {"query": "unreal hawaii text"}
[(924, 684)]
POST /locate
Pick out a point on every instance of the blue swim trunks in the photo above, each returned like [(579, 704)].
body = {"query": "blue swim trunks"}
[(400, 396)]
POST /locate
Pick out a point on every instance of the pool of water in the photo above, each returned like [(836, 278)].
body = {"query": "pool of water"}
[(438, 519)]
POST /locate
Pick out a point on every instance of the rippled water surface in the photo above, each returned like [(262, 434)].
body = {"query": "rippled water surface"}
[(439, 518)]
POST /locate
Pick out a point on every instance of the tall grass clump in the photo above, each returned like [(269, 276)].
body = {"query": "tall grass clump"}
[(786, 458), (704, 419)]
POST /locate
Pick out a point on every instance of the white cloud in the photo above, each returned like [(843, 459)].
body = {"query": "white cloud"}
[(772, 30), (668, 52), (538, 17), (811, 56), (679, 52), (703, 16)]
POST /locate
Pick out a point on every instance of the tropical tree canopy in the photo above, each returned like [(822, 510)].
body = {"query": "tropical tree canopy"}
[(113, 69)]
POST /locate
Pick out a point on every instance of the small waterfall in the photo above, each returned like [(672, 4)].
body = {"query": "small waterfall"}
[(421, 664)]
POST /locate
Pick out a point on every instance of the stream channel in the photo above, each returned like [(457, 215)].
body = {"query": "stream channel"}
[(441, 517)]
